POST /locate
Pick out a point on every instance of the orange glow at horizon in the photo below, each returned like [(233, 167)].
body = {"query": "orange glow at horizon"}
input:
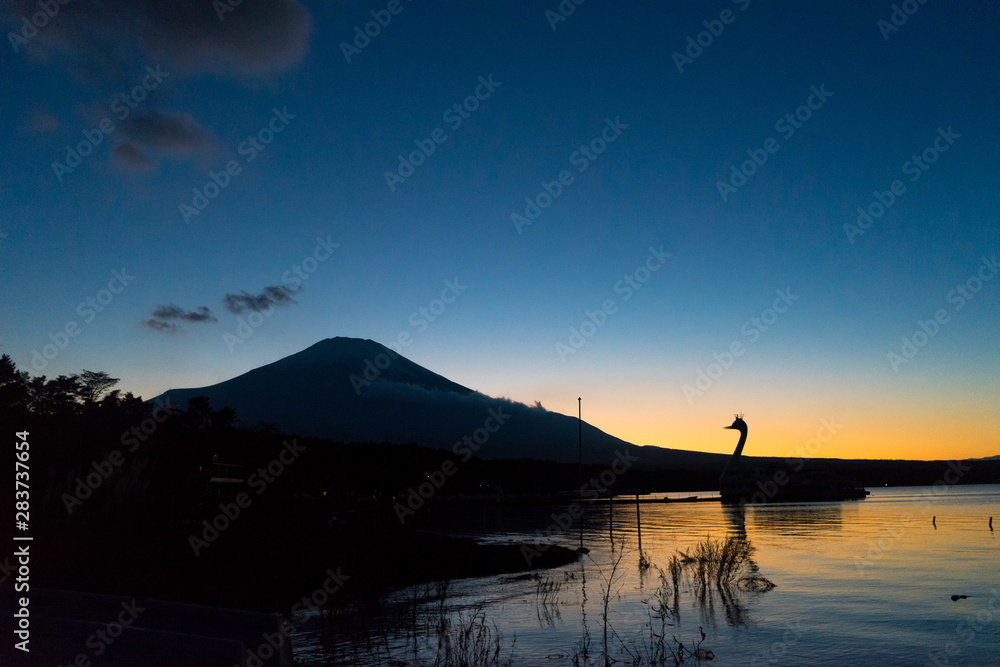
[(958, 429)]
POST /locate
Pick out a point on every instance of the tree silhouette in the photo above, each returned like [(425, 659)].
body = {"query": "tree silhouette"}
[(13, 387), (223, 418), (199, 412), (93, 384)]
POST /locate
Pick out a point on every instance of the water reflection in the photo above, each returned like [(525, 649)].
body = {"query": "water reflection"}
[(798, 520), (808, 550), (736, 518), (584, 651)]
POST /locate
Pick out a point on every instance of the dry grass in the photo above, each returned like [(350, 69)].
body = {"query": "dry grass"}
[(726, 563)]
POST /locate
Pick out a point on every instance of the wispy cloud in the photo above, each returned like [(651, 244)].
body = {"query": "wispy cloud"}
[(109, 46), (258, 38), (271, 296), (157, 325), (164, 317), (202, 314), (175, 133), (42, 122), (129, 154)]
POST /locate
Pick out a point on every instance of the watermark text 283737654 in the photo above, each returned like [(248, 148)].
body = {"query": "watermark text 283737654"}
[(22, 516)]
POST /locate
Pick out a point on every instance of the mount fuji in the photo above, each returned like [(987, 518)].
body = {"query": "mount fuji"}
[(355, 390)]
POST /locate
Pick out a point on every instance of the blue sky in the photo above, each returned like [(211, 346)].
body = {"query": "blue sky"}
[(343, 124)]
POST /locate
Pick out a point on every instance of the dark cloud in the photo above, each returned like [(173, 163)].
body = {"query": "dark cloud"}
[(130, 155), (271, 296), (114, 45), (157, 325), (175, 133), (171, 312), (42, 122), (259, 37), (163, 314)]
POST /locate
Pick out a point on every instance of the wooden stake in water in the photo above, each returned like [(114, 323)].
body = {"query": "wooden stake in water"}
[(638, 522)]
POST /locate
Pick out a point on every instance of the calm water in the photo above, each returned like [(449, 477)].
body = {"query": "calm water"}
[(863, 582)]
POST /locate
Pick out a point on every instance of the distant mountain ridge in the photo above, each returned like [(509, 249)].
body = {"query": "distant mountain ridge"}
[(357, 390), (354, 390)]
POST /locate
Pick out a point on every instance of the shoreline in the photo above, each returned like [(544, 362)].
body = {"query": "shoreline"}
[(268, 561)]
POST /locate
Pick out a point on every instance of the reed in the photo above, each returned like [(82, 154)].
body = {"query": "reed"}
[(726, 563), (547, 601)]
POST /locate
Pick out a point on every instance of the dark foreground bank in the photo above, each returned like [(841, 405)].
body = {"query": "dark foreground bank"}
[(269, 560)]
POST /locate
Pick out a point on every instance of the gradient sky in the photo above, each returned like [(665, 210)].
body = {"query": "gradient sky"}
[(889, 94)]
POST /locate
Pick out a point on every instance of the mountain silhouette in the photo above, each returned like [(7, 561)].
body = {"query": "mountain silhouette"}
[(356, 390)]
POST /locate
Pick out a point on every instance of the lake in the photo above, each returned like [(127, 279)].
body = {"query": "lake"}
[(857, 582)]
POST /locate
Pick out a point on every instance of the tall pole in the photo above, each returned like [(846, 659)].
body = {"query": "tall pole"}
[(579, 422)]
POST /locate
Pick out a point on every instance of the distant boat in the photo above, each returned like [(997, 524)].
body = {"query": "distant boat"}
[(741, 483)]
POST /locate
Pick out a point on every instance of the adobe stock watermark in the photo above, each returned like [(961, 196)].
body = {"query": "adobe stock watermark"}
[(787, 126), (420, 319), (454, 115), (102, 639), (48, 10), (595, 319), (292, 279), (223, 7), (900, 14), (362, 38), (271, 642), (259, 481), (250, 148), (914, 168), (88, 310), (967, 631), (581, 158), (881, 546), (563, 11), (102, 472), (775, 653), (590, 491), (751, 329), (122, 104), (418, 496), (962, 293), (714, 28), (794, 459)]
